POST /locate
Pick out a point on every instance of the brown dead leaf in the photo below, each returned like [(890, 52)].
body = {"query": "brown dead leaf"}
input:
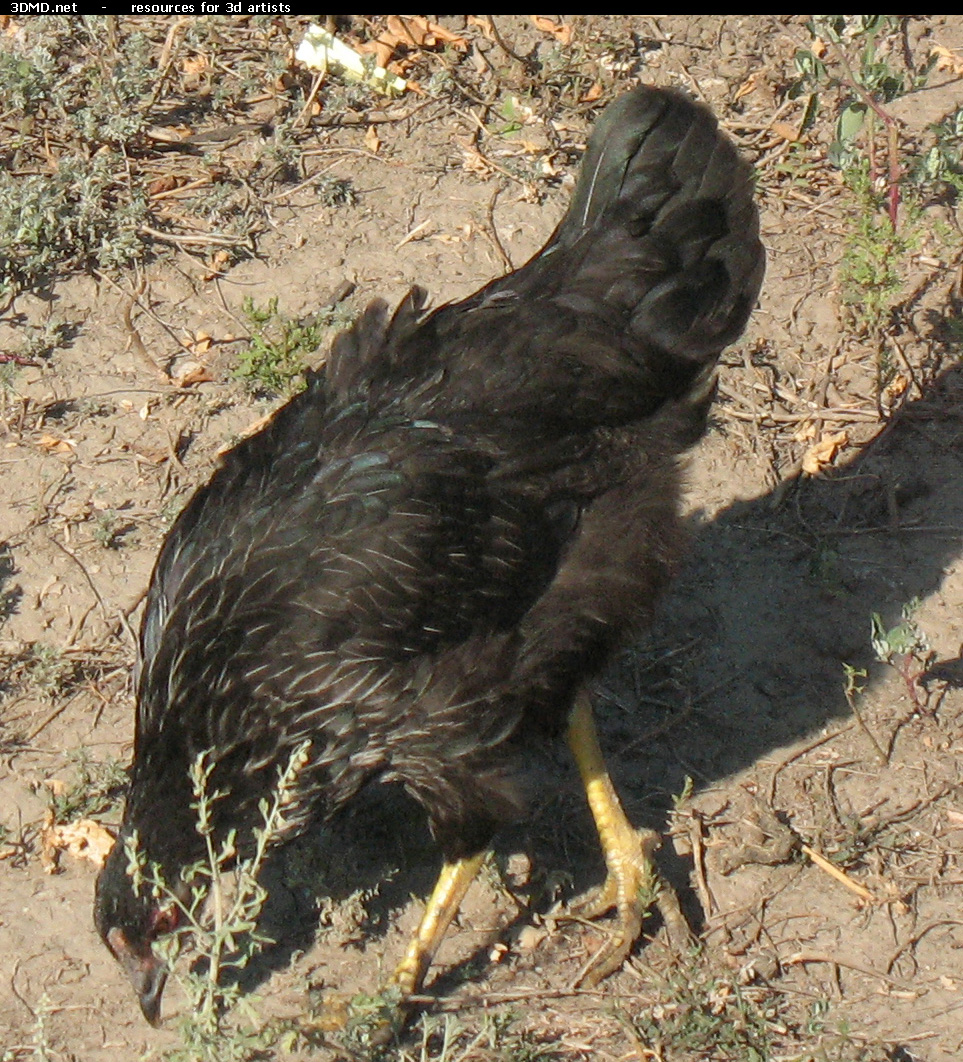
[(473, 161), (83, 839), (371, 140), (529, 147), (747, 86), (529, 937), (49, 852), (170, 134), (410, 33), (483, 23), (197, 342), (895, 388), (499, 952), (805, 431), (787, 132), (164, 184), (190, 373), (405, 32), (155, 457), (202, 342), (947, 60), (217, 263), (561, 31), (418, 31), (383, 49), (594, 92), (194, 65), (53, 445), (824, 452)]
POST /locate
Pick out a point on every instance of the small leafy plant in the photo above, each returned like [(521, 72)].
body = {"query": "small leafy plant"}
[(869, 81), (222, 934), (904, 639), (98, 784), (708, 1016), (274, 362)]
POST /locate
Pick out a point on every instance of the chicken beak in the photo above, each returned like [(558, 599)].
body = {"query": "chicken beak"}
[(145, 972), (149, 986)]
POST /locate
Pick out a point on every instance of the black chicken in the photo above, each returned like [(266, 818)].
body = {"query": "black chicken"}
[(420, 561)]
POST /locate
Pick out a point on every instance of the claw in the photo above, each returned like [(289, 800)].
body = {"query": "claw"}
[(632, 885), (365, 1021), (376, 1019)]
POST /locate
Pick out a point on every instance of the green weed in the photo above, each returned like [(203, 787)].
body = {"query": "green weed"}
[(874, 256), (432, 1038), (904, 639), (870, 79), (704, 1015), (76, 208), (220, 1024), (853, 61), (93, 107), (444, 1039), (97, 787), (941, 167), (10, 593), (108, 528), (335, 192), (45, 669), (275, 360)]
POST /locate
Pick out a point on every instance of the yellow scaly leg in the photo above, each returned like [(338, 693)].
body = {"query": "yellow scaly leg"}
[(384, 1015), (632, 884), (446, 897)]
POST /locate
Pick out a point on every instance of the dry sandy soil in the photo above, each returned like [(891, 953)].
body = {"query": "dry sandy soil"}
[(813, 821)]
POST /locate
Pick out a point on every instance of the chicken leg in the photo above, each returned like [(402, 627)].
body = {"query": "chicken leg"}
[(442, 906), (632, 884)]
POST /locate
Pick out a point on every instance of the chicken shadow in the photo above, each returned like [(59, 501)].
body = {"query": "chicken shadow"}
[(746, 656)]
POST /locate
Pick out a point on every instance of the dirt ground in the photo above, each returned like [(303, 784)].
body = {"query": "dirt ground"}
[(806, 776)]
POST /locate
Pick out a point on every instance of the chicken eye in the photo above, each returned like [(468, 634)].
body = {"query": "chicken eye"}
[(163, 920)]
